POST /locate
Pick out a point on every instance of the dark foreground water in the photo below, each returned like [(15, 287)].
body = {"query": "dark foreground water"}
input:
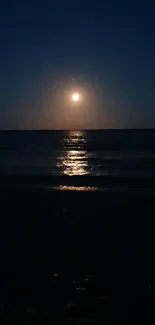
[(71, 252)]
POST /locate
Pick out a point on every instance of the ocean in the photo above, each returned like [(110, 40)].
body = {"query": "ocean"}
[(57, 155), (77, 225)]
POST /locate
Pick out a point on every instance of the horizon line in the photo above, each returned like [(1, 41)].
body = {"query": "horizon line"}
[(94, 129)]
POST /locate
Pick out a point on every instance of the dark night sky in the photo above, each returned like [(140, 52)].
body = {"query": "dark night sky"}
[(108, 46)]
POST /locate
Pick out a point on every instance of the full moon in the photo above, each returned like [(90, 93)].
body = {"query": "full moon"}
[(75, 97)]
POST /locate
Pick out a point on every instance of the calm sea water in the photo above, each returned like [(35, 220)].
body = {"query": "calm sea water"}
[(91, 252), (71, 153)]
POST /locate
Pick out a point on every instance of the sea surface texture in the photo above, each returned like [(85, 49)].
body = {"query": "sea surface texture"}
[(100, 153)]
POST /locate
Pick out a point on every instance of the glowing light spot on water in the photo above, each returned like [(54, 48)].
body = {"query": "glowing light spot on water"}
[(76, 188), (55, 275)]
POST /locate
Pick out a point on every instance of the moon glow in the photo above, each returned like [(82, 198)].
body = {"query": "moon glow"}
[(75, 97)]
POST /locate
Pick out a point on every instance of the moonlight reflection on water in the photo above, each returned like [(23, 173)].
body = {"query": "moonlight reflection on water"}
[(76, 188), (74, 160)]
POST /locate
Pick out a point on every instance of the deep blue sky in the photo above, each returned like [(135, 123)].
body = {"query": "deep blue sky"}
[(108, 46)]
